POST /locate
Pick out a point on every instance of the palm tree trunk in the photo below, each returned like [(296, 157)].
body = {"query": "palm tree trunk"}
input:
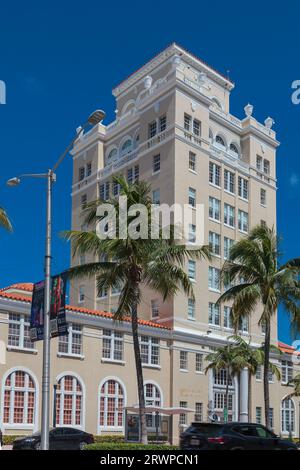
[(249, 396), (139, 376), (266, 372)]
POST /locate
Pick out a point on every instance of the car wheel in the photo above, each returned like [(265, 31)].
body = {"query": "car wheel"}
[(82, 445), (37, 446)]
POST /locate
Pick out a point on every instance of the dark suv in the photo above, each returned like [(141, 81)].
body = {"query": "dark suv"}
[(232, 436)]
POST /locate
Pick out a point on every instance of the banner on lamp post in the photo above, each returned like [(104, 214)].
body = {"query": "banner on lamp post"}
[(58, 323), (37, 312)]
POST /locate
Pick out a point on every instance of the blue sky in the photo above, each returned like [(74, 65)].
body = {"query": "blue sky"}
[(60, 61)]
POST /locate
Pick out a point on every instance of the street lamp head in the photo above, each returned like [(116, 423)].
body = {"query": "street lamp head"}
[(13, 182), (96, 117)]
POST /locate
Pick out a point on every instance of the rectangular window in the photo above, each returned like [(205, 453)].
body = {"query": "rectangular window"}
[(244, 325), (243, 188), (228, 243), (258, 415), (130, 175), (192, 233), (214, 174), (81, 294), (229, 181), (83, 201), (149, 350), (228, 318), (187, 122), (103, 293), (154, 308), (258, 373), (199, 412), (192, 270), (136, 173), (263, 197), (183, 416), (192, 197), (156, 196), (196, 127), (18, 331), (213, 314), (72, 343), (156, 163), (81, 173), (214, 243), (243, 221), (183, 362), (266, 167), (229, 215), (214, 209), (199, 362), (116, 188), (271, 418), (214, 278), (192, 161), (270, 376), (112, 345), (286, 371), (152, 129), (89, 169), (162, 123), (104, 191), (259, 163), (191, 309)]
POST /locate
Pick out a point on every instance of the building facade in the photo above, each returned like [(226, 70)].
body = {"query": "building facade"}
[(173, 129), (93, 372)]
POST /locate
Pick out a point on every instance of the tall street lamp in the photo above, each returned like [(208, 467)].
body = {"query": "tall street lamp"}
[(95, 118)]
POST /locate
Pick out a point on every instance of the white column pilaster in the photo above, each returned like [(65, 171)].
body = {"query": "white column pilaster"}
[(244, 396)]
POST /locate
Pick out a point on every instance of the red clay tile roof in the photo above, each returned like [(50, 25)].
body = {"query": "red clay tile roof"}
[(27, 286), (99, 313)]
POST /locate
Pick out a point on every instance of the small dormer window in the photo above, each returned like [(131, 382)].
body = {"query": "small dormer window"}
[(220, 141), (234, 149), (126, 147), (112, 155)]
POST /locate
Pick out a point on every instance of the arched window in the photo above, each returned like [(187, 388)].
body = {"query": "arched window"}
[(19, 399), (152, 398), (287, 415), (126, 147), (234, 149), (220, 141), (111, 405), (69, 404), (112, 155)]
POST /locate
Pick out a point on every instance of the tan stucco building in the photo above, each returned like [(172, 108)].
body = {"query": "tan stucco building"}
[(174, 129)]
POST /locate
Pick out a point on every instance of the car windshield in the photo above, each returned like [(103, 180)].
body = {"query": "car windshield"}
[(208, 429)]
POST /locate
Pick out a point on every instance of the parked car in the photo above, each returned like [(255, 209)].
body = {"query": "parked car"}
[(59, 439), (232, 436)]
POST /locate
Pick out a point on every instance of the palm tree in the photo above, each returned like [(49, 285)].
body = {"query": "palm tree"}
[(255, 260), (224, 358), (296, 384), (253, 358), (4, 220), (132, 263)]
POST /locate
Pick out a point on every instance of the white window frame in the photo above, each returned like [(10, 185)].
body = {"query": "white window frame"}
[(214, 279), (183, 361), (243, 221), (74, 393), (110, 352), (228, 243), (192, 162), (214, 174), (154, 308), (150, 347), (214, 209), (214, 314), (227, 318), (116, 396), (229, 181), (199, 360), (192, 269), (243, 188), (214, 243), (68, 340), (192, 196), (191, 309), (229, 215), (156, 164), (22, 321)]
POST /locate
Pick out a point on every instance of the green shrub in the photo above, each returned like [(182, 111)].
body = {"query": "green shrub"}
[(8, 439), (127, 446), (109, 438)]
